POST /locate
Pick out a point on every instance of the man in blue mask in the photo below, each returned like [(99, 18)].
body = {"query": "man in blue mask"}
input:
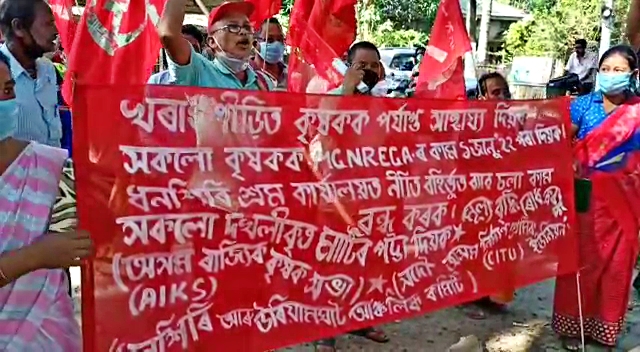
[(270, 52)]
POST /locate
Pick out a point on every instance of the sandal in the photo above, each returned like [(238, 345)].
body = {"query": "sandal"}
[(571, 344), (372, 334), (325, 345)]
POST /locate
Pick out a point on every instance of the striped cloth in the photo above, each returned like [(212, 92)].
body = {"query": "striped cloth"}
[(37, 312)]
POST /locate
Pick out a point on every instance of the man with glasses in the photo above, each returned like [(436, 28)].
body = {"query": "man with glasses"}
[(231, 40)]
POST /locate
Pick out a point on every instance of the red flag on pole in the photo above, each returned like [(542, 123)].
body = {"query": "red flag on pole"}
[(115, 44), (264, 9), (320, 32), (65, 21), (441, 74)]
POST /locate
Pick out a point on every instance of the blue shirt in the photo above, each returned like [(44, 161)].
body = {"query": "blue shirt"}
[(587, 112), (201, 72), (162, 77), (38, 118)]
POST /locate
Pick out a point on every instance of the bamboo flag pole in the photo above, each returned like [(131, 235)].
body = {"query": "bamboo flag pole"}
[(202, 7)]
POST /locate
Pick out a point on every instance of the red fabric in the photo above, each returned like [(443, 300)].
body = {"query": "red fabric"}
[(441, 74), (616, 129), (608, 237), (176, 276), (132, 63), (320, 32), (264, 9), (65, 21)]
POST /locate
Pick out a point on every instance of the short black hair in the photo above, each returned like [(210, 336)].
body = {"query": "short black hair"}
[(482, 81), (364, 45), (193, 31), (623, 50), (23, 10), (268, 21), (271, 20), (581, 42)]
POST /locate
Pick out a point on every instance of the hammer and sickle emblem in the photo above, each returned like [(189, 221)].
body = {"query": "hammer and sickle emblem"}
[(112, 40)]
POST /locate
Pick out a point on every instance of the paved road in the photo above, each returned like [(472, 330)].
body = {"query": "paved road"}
[(525, 327)]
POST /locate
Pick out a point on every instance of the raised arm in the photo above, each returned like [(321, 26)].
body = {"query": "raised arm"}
[(170, 32), (633, 24)]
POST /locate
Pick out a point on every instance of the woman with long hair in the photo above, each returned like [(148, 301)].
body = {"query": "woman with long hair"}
[(607, 152), (36, 309)]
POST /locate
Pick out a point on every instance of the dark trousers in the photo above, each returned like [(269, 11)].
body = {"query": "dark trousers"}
[(586, 88)]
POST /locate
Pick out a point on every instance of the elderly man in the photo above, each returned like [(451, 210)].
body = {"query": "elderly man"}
[(30, 32), (193, 35), (231, 40)]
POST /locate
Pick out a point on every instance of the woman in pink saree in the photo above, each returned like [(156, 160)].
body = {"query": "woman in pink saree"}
[(607, 152), (36, 311)]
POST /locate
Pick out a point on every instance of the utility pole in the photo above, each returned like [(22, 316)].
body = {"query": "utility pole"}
[(607, 19), (472, 29), (483, 39), (472, 16)]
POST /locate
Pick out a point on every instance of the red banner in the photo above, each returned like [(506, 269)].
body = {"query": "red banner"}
[(253, 220), (65, 21), (111, 34)]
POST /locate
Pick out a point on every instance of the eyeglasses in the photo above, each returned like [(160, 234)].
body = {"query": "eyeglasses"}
[(236, 29)]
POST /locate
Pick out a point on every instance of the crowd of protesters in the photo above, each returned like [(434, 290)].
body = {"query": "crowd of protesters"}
[(38, 236)]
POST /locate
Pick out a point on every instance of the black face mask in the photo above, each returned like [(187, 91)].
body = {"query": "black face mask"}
[(370, 78)]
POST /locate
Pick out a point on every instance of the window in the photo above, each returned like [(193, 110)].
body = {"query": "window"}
[(403, 62)]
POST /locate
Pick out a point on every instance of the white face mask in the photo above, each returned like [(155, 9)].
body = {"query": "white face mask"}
[(234, 65)]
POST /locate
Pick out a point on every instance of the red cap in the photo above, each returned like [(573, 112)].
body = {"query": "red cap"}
[(227, 7)]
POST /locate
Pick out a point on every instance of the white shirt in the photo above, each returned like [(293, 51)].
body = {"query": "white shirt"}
[(582, 66)]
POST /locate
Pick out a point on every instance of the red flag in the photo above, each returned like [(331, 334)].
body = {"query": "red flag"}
[(320, 32), (114, 44), (441, 73), (264, 9), (65, 21)]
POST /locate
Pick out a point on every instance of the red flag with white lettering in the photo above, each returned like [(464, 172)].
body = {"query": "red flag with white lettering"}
[(65, 21), (114, 44), (441, 73), (320, 32)]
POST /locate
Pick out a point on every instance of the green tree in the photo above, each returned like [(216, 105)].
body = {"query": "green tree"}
[(408, 14), (556, 25)]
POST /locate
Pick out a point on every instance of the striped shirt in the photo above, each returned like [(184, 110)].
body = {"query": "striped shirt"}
[(38, 118), (37, 311)]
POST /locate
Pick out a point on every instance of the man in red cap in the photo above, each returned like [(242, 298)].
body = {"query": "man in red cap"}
[(231, 40)]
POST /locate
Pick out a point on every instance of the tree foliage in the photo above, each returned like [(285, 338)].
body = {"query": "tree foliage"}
[(408, 14), (388, 23), (556, 24)]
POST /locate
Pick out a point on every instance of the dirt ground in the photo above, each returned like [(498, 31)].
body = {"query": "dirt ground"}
[(523, 328)]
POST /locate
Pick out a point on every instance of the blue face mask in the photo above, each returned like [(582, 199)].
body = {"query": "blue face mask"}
[(8, 118), (613, 83), (272, 53)]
